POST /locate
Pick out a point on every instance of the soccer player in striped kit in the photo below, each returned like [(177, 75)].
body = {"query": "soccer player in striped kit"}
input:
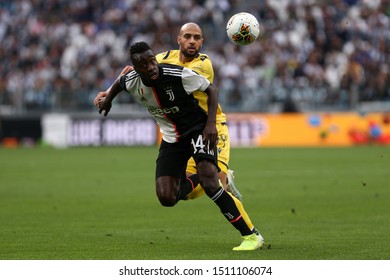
[(166, 91)]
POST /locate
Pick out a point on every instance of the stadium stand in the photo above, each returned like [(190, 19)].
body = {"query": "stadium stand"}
[(321, 55)]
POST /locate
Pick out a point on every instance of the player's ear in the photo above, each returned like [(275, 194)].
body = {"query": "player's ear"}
[(178, 40)]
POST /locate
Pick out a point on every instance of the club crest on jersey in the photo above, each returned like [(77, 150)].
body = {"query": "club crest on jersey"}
[(169, 91)]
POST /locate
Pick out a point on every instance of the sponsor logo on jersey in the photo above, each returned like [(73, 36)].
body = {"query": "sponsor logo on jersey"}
[(159, 112)]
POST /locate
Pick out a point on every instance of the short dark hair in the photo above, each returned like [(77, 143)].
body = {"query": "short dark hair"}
[(139, 47)]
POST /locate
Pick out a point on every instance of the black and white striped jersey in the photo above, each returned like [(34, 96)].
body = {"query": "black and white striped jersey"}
[(170, 100)]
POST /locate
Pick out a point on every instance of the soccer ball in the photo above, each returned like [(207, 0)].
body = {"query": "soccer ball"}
[(243, 29)]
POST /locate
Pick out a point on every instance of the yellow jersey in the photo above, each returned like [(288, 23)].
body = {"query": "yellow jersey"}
[(203, 66)]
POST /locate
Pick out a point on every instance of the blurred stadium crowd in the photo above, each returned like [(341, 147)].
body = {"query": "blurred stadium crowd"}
[(57, 54)]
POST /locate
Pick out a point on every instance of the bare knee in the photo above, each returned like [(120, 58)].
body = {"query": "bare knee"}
[(166, 190), (208, 176)]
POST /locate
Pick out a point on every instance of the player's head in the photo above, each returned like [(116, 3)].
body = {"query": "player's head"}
[(144, 61), (190, 39)]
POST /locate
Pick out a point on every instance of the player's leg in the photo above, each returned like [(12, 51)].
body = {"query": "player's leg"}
[(229, 206), (226, 175), (223, 146), (191, 170), (171, 182)]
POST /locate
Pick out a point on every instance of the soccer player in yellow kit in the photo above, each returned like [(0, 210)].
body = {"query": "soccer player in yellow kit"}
[(190, 40)]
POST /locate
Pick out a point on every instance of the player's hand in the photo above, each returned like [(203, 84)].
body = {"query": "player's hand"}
[(210, 135), (104, 106), (100, 95)]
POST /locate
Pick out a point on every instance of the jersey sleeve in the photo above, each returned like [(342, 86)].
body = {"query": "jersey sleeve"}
[(193, 81), (204, 67), (159, 57), (127, 81), (122, 82)]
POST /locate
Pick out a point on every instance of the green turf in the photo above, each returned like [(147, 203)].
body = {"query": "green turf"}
[(100, 203)]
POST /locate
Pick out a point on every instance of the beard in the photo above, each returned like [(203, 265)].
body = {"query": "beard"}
[(190, 55)]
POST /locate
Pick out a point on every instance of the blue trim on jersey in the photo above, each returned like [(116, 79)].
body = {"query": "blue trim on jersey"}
[(166, 56)]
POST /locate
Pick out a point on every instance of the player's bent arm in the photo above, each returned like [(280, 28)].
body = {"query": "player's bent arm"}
[(210, 132), (212, 102)]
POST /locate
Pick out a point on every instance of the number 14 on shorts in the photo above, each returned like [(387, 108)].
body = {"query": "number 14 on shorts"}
[(200, 147)]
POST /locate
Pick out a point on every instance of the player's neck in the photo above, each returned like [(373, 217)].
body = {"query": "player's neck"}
[(185, 59)]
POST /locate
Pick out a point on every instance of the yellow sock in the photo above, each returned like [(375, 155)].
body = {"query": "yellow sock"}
[(243, 213), (197, 192)]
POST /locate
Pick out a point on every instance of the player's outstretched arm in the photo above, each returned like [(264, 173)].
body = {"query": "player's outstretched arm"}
[(102, 94), (105, 103)]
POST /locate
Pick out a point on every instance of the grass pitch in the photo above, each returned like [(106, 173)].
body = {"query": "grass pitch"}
[(100, 203)]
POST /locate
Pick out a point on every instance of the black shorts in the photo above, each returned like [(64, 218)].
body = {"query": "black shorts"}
[(172, 158)]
